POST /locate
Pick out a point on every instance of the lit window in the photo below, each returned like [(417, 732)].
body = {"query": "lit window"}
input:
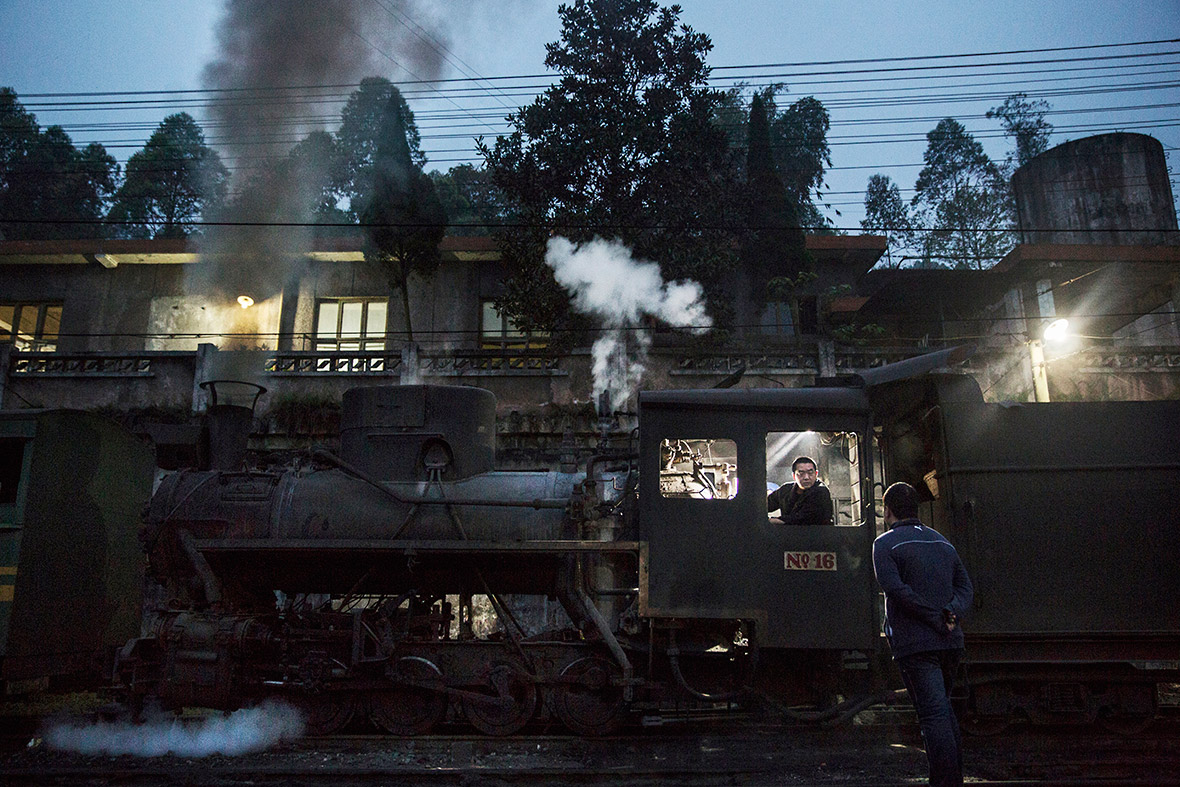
[(31, 327), (837, 465), (350, 324), (701, 469), (499, 332)]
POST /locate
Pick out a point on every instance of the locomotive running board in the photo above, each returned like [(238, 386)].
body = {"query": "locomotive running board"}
[(256, 545)]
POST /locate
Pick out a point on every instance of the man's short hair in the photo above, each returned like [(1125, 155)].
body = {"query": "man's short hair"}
[(803, 460), (902, 500)]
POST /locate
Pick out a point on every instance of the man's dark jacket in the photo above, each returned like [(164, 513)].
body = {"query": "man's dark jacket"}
[(812, 506), (922, 575)]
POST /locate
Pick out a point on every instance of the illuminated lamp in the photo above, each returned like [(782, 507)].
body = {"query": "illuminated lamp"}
[(1057, 331), (245, 301)]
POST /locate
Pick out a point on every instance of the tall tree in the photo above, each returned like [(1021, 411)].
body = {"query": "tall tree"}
[(887, 213), (774, 247), (48, 187), (171, 184), (963, 200), (360, 134), (623, 145), (800, 138), (798, 141), (1024, 122), (404, 220)]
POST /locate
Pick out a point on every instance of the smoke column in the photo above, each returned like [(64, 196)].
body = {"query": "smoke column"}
[(618, 290), (242, 732), (266, 48)]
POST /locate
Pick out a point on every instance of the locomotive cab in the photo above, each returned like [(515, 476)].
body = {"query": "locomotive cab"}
[(714, 551)]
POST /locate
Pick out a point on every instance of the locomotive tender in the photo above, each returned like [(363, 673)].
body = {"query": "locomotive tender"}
[(346, 584)]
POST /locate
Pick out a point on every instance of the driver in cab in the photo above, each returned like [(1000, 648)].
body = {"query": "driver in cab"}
[(805, 502)]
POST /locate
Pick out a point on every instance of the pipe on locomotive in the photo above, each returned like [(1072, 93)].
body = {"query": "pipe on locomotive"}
[(356, 472)]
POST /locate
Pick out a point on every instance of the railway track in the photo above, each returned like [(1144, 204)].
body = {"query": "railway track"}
[(691, 750)]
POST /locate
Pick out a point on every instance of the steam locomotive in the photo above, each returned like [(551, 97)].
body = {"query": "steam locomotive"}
[(350, 584)]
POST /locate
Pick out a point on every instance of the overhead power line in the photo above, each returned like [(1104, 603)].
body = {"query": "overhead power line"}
[(563, 224)]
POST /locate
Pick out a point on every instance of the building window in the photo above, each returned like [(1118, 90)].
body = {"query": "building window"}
[(350, 324), (31, 327), (777, 320), (497, 332)]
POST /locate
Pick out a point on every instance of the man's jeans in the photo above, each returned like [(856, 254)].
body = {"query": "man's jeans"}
[(928, 677)]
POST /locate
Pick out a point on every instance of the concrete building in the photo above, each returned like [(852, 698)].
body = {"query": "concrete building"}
[(131, 327)]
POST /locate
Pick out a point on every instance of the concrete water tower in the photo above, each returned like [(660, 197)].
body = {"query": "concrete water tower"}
[(1109, 189)]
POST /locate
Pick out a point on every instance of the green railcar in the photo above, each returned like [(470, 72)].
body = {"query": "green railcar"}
[(72, 486)]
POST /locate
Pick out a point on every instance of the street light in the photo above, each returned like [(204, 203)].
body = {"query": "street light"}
[(1056, 331), (1036, 356)]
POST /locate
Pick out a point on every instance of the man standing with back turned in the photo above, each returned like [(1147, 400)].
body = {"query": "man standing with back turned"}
[(926, 591)]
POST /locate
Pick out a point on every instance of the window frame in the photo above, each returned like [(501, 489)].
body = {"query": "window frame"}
[(851, 506), (364, 338), (727, 449), (506, 336), (39, 341)]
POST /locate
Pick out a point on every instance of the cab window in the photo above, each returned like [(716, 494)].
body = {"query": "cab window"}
[(705, 469), (837, 466)]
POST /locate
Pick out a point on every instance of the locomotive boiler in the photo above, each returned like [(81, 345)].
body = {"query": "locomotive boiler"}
[(349, 583), (346, 584)]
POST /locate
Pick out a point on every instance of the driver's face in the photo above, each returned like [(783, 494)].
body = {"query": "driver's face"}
[(805, 475)]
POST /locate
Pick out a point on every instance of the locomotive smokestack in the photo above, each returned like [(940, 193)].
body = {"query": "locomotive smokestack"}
[(228, 422)]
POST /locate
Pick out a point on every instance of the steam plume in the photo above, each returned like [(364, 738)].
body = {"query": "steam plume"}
[(242, 732), (618, 290)]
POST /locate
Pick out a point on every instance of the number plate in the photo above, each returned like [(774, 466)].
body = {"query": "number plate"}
[(809, 561)]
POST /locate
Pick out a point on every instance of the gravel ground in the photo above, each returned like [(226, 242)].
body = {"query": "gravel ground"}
[(880, 749)]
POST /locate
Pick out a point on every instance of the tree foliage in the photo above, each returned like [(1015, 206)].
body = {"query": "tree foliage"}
[(472, 202), (48, 187), (317, 165), (1024, 121), (403, 217), (798, 142), (774, 244), (624, 145), (174, 181), (800, 139), (886, 213), (963, 200), (361, 127)]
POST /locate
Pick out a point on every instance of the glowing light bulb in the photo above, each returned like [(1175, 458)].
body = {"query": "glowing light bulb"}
[(1057, 330), (245, 301)]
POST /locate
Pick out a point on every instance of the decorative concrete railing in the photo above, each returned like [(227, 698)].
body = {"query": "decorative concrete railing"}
[(1099, 360), (448, 364), (57, 365), (804, 361)]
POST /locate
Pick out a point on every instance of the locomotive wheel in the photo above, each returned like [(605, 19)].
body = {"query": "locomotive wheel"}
[(511, 699), (325, 713), (407, 709), (586, 701)]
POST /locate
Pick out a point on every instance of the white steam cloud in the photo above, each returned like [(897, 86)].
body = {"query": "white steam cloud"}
[(241, 732), (609, 284)]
